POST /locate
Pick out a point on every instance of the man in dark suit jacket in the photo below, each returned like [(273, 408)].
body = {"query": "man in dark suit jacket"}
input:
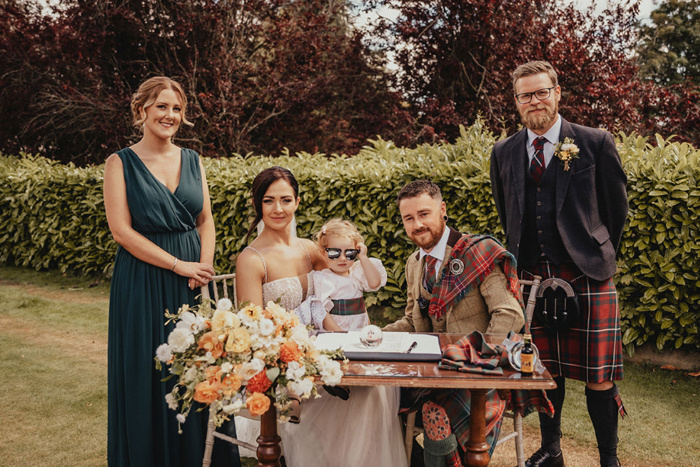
[(561, 197)]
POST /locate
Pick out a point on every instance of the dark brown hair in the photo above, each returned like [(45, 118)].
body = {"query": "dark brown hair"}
[(417, 188), (261, 183)]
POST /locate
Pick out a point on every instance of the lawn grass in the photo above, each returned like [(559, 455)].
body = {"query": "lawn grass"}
[(53, 336)]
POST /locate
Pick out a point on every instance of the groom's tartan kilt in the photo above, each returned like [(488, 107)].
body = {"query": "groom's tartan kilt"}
[(591, 350)]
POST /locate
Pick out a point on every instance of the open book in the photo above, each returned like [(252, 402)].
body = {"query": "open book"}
[(394, 346)]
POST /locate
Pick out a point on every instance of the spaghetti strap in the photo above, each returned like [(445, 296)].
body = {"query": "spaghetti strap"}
[(263, 261), (307, 254)]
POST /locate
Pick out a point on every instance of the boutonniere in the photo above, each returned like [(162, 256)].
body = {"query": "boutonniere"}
[(566, 151)]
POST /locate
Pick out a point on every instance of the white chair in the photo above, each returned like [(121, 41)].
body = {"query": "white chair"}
[(517, 434), (226, 281)]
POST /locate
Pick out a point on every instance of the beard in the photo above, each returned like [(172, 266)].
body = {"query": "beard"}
[(542, 122), (435, 236)]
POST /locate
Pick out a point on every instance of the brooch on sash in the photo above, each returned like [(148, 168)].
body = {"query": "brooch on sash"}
[(456, 267)]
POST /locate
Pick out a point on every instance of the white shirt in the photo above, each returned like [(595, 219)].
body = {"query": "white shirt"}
[(552, 137), (438, 251)]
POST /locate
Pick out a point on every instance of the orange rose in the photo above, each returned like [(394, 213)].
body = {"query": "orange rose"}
[(213, 373), (210, 343), (206, 393), (290, 352), (257, 404), (259, 382), (230, 384)]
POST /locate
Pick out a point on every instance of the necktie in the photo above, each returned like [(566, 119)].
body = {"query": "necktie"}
[(430, 263), (537, 163)]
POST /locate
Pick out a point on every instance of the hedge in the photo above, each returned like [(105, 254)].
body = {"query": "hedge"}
[(53, 217)]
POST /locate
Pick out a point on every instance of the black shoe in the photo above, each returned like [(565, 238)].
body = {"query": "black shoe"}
[(544, 459), (338, 391)]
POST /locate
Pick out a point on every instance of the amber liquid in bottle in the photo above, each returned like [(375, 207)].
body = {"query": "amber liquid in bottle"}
[(527, 356)]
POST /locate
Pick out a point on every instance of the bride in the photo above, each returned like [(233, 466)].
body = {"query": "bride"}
[(362, 431)]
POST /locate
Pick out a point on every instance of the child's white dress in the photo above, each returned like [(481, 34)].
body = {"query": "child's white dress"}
[(363, 431)]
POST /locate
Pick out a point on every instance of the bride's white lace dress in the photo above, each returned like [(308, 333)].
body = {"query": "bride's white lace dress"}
[(363, 431)]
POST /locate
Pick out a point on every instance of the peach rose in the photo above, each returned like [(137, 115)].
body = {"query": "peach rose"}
[(238, 340), (213, 373), (290, 352), (222, 319), (259, 382), (257, 404), (210, 343), (230, 384), (206, 393)]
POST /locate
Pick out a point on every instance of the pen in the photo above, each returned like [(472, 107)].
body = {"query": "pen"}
[(413, 346)]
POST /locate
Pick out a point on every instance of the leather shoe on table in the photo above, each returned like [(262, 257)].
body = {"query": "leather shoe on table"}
[(544, 459)]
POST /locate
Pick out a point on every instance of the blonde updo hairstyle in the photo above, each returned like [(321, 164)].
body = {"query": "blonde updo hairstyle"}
[(147, 94), (337, 228)]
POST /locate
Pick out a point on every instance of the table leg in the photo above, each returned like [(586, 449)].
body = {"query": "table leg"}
[(269, 450), (477, 447)]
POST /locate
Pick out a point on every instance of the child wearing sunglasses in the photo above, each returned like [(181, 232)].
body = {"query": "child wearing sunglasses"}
[(350, 272)]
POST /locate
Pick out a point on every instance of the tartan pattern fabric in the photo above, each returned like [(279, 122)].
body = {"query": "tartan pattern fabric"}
[(472, 354), (430, 276), (537, 166), (591, 350), (348, 307), (478, 255), (457, 405)]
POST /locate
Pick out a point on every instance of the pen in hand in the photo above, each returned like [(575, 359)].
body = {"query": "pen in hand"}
[(413, 346)]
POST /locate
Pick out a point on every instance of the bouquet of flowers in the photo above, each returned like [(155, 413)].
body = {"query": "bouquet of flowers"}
[(230, 359)]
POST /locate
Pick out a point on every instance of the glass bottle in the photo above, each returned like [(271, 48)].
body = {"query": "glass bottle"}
[(527, 356)]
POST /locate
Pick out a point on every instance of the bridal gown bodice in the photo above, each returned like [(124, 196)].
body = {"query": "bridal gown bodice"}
[(289, 291)]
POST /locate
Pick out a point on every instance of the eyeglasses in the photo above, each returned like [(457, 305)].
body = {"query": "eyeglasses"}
[(542, 94), (334, 253)]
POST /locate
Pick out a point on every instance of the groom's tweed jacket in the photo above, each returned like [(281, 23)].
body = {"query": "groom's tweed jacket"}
[(489, 309)]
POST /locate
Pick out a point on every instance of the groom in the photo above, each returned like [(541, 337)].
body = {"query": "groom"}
[(456, 284)]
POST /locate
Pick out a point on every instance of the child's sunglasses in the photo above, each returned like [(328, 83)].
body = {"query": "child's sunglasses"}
[(334, 253)]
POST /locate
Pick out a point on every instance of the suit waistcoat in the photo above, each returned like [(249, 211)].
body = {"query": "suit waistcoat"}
[(539, 231)]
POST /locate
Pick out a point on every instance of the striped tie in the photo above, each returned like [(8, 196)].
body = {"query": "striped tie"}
[(430, 262), (537, 164)]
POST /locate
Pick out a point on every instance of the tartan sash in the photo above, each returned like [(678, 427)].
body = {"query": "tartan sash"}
[(348, 307), (472, 354), (472, 259)]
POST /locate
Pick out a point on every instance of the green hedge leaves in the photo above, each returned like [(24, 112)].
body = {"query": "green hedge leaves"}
[(52, 217)]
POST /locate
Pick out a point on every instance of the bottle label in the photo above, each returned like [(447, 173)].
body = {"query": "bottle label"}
[(526, 361)]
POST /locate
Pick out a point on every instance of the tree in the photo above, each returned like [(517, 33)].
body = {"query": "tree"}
[(261, 74), (455, 59), (669, 47)]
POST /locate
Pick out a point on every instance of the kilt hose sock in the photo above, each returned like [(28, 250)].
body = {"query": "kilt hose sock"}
[(604, 408), (550, 428)]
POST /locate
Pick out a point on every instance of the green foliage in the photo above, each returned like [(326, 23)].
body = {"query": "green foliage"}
[(53, 217)]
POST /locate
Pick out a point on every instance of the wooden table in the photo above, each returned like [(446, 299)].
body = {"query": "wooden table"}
[(419, 375)]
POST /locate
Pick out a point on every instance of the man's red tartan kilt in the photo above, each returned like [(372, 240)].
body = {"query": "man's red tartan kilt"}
[(591, 350)]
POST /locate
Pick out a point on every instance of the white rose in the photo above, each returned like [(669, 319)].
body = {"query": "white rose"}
[(171, 401), (331, 374), (224, 304), (300, 335), (180, 339), (164, 353), (252, 368), (295, 371), (302, 388)]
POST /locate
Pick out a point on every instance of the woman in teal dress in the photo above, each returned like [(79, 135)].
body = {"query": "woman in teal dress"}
[(158, 209)]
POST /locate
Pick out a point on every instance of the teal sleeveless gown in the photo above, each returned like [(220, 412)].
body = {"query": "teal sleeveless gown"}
[(142, 430)]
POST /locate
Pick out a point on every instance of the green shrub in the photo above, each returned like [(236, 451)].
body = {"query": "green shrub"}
[(53, 217)]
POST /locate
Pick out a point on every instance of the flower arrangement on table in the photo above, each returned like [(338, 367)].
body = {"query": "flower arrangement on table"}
[(230, 359)]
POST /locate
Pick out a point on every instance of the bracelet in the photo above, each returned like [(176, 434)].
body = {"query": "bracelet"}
[(174, 264)]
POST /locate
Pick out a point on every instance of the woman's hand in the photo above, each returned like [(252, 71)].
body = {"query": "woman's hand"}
[(199, 273)]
